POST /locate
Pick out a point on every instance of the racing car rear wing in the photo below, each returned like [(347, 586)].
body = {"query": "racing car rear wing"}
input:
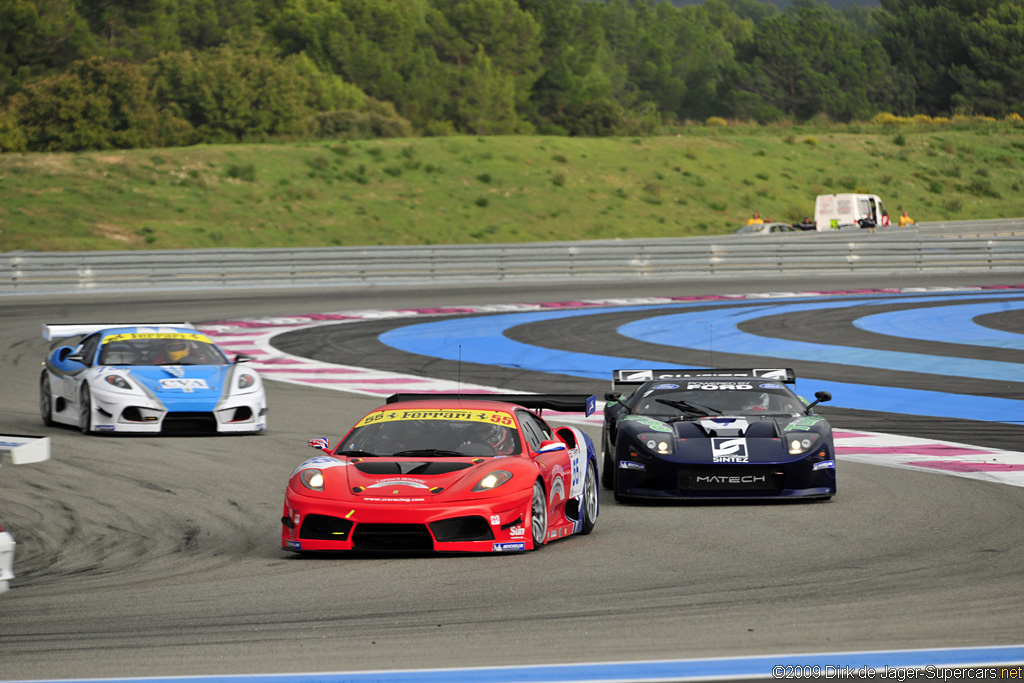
[(621, 378), (51, 332), (565, 403)]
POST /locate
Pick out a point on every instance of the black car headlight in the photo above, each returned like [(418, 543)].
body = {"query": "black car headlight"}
[(801, 442), (657, 442)]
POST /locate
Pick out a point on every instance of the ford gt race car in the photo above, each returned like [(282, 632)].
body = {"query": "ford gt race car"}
[(164, 378), (703, 434), (445, 472)]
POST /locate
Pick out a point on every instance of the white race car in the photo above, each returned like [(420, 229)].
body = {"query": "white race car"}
[(22, 450), (163, 378)]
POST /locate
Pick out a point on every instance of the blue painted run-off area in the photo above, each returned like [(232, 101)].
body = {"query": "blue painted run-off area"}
[(482, 340)]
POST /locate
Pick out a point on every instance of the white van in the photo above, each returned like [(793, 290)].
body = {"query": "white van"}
[(835, 211)]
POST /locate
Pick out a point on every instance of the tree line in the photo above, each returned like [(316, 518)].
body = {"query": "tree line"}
[(102, 74)]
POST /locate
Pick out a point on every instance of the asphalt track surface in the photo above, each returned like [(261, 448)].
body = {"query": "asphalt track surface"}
[(160, 556)]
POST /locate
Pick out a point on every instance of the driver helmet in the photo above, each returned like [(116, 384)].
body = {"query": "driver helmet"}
[(496, 437), (177, 349), (760, 404)]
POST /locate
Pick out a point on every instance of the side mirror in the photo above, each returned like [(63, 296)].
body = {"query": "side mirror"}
[(612, 396), (75, 357), (821, 396), (550, 447), (243, 358)]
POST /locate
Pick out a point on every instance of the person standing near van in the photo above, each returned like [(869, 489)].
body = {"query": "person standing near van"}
[(756, 220), (906, 220)]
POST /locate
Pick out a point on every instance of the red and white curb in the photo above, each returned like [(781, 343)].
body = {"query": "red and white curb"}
[(253, 337)]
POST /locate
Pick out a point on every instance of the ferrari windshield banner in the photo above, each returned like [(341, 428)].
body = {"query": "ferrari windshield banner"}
[(487, 416), (190, 336)]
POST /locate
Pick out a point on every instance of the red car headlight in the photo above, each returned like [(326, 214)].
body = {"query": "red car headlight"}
[(312, 479)]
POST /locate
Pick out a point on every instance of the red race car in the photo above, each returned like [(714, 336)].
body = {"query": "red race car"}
[(447, 472)]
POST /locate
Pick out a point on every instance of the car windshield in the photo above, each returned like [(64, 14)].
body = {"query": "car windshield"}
[(696, 399), (159, 349), (390, 435)]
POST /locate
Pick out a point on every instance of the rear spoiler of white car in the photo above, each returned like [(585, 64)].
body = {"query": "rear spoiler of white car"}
[(51, 332), (621, 378), (24, 450)]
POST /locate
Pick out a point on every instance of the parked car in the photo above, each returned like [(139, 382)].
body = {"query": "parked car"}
[(764, 228)]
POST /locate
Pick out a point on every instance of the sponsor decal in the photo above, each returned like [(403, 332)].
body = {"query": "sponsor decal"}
[(320, 462), (293, 544), (557, 487), (488, 416), (649, 422), (495, 520), (517, 531), (726, 479), (630, 465), (399, 482), (774, 373), (403, 499), (729, 450), (640, 376), (664, 386), (738, 424), (803, 424), (176, 370), (772, 386), (191, 336), (825, 465), (718, 386), (103, 428), (186, 384), (577, 461), (506, 547)]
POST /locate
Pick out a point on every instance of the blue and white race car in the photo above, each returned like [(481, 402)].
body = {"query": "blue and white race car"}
[(162, 378)]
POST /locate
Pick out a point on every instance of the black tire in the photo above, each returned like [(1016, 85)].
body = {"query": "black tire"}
[(607, 472), (45, 400), (85, 411), (539, 515), (615, 490), (590, 499)]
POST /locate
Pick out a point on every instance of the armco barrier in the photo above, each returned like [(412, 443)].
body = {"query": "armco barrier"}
[(989, 246)]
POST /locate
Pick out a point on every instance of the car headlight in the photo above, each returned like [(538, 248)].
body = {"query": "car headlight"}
[(118, 381), (312, 479), (657, 442), (245, 380), (492, 480), (801, 442)]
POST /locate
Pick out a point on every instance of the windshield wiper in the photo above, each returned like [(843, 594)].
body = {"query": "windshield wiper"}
[(693, 408), (356, 454)]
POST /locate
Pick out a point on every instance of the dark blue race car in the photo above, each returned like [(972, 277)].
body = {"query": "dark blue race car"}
[(715, 433)]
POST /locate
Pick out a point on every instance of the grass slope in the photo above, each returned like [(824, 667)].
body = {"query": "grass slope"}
[(457, 190)]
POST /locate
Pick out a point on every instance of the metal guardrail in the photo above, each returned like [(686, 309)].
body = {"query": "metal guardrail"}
[(990, 246)]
